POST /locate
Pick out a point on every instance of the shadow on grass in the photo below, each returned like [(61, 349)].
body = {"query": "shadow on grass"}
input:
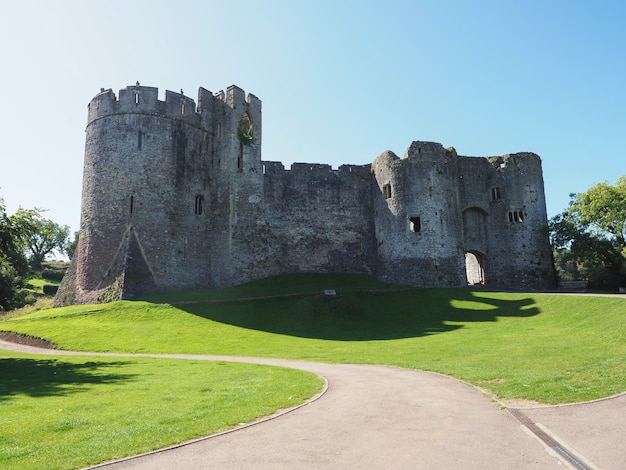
[(51, 377), (364, 315)]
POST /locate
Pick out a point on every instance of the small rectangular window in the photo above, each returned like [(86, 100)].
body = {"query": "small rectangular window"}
[(199, 204), (415, 224), (132, 204), (387, 190), (516, 216), (495, 193)]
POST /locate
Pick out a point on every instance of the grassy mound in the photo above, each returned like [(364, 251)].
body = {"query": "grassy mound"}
[(549, 348)]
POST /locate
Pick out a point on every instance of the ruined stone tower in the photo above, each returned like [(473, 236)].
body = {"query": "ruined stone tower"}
[(176, 196)]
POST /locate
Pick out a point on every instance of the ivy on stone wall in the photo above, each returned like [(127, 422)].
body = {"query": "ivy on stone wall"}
[(246, 137)]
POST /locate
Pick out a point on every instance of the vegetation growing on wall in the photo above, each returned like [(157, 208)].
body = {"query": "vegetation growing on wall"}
[(246, 137)]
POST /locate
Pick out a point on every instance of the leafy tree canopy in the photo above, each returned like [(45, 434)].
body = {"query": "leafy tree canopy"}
[(13, 263), (72, 245), (589, 236), (24, 236), (602, 210), (40, 236)]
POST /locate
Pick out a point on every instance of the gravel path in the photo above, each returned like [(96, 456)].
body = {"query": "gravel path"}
[(386, 417)]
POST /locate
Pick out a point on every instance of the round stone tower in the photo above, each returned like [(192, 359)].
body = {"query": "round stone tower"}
[(157, 185), (418, 227)]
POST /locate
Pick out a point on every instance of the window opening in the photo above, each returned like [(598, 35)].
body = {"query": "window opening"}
[(132, 204), (495, 193), (516, 216), (182, 107), (199, 204), (240, 163), (136, 98), (139, 139), (219, 129), (415, 224), (387, 190)]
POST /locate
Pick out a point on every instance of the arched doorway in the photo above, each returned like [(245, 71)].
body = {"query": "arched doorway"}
[(475, 268)]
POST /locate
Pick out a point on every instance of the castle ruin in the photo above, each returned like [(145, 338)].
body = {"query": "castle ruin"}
[(176, 197)]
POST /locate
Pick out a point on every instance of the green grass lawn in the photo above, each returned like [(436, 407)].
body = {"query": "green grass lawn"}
[(60, 412), (35, 284), (549, 348), (50, 275)]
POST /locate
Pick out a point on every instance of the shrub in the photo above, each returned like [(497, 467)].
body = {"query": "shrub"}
[(53, 274), (49, 289)]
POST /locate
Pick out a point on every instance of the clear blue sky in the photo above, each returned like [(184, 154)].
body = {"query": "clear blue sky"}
[(340, 81)]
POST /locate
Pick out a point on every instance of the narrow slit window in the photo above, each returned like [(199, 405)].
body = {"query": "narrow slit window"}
[(387, 191), (132, 204), (139, 139), (182, 107), (415, 224), (495, 193), (240, 163), (516, 216), (136, 98), (199, 204)]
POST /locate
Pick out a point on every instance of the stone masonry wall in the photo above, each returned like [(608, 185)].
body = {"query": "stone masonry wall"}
[(176, 196), (507, 194)]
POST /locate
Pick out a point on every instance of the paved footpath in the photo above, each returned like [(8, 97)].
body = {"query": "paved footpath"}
[(374, 417)]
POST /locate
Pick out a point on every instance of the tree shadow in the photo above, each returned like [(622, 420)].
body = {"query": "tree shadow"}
[(52, 377), (364, 315)]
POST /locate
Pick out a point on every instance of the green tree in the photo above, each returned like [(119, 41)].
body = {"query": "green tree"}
[(602, 210), (40, 236), (13, 263), (70, 249), (589, 236)]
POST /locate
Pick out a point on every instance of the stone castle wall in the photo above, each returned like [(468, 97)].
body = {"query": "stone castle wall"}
[(176, 196)]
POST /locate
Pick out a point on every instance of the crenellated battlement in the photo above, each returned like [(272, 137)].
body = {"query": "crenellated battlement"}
[(139, 99), (316, 170)]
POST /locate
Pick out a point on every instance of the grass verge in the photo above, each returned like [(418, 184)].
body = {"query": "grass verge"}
[(71, 412)]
